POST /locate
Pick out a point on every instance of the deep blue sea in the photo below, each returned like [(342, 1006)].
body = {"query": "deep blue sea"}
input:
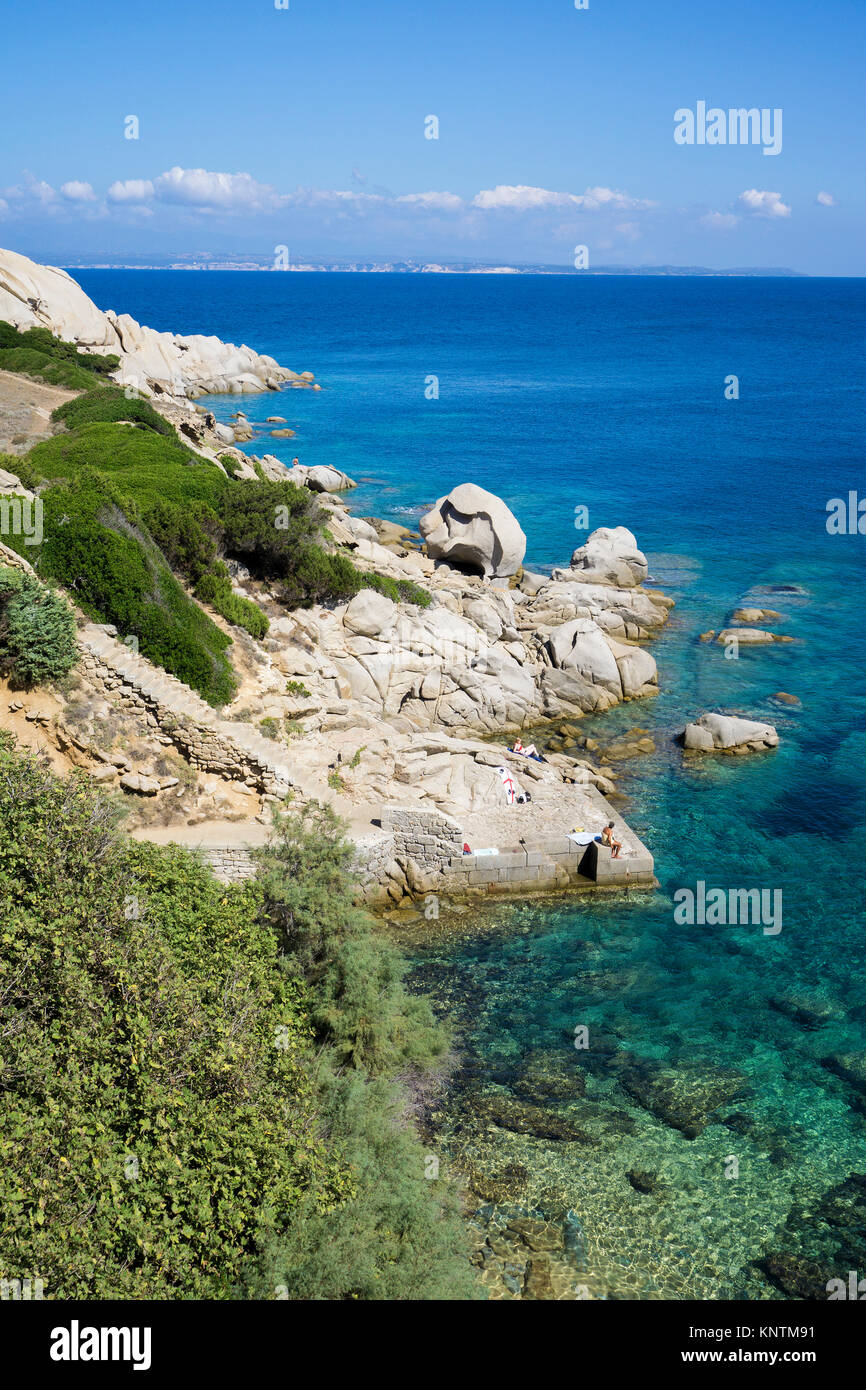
[(609, 393)]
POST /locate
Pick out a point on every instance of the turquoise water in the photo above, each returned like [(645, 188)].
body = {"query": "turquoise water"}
[(558, 392)]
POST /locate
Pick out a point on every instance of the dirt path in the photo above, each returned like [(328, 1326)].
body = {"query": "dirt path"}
[(25, 411)]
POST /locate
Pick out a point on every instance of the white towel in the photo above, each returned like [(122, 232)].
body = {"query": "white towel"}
[(509, 784)]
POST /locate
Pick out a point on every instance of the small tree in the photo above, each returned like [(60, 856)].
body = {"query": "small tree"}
[(37, 630)]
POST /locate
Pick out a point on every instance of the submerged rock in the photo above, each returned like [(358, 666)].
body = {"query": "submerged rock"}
[(850, 1066), (538, 1283), (522, 1117), (503, 1185), (646, 1183), (544, 1076), (750, 636), (809, 1010), (684, 1099), (796, 1276)]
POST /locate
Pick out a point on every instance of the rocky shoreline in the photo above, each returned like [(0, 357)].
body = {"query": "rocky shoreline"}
[(381, 707)]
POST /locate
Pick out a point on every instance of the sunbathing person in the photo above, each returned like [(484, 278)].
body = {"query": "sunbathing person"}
[(530, 752), (607, 839)]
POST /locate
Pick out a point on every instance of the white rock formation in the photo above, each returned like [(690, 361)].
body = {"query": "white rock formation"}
[(474, 528), (727, 732), (750, 636), (320, 478), (479, 658), (611, 556), (34, 296)]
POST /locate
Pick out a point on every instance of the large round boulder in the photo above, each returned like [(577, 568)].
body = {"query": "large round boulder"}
[(474, 529), (611, 556)]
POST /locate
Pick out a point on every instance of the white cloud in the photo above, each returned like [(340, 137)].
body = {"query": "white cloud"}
[(436, 202), (524, 198), (826, 200), (223, 192), (719, 220), (760, 202), (4, 207), (333, 197), (77, 192), (131, 191), (32, 190)]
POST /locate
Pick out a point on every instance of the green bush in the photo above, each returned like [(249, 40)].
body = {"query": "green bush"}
[(269, 525), (400, 590), (98, 548), (399, 1237), (56, 372), (199, 1081), (43, 340), (147, 468), (110, 403), (159, 1100), (37, 630), (216, 589)]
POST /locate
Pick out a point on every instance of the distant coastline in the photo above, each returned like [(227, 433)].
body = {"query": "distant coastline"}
[(386, 267)]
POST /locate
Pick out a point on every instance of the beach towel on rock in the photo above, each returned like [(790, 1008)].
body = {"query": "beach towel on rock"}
[(509, 785)]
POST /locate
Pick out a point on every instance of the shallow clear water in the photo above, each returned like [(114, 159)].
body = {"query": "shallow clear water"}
[(558, 392)]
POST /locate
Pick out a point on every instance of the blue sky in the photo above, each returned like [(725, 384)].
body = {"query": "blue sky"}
[(305, 127)]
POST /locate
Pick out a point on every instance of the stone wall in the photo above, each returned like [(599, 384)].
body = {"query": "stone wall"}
[(229, 863), (550, 862), (164, 703), (427, 836), (428, 847)]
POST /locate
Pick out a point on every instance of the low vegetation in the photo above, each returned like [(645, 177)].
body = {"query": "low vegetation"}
[(36, 352), (199, 1082), (107, 404), (37, 631)]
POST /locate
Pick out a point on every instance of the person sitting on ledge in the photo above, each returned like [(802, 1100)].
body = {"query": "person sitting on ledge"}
[(607, 839)]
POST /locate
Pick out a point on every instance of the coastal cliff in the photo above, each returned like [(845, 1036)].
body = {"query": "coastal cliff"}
[(42, 296)]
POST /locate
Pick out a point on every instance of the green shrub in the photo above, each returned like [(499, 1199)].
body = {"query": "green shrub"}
[(270, 728), (147, 468), (43, 340), (400, 590), (230, 464), (37, 630), (199, 1080), (56, 372), (215, 588), (22, 468), (97, 547), (110, 403), (269, 525), (159, 1100), (399, 1237)]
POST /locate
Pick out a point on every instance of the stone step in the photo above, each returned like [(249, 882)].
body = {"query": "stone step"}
[(163, 688)]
